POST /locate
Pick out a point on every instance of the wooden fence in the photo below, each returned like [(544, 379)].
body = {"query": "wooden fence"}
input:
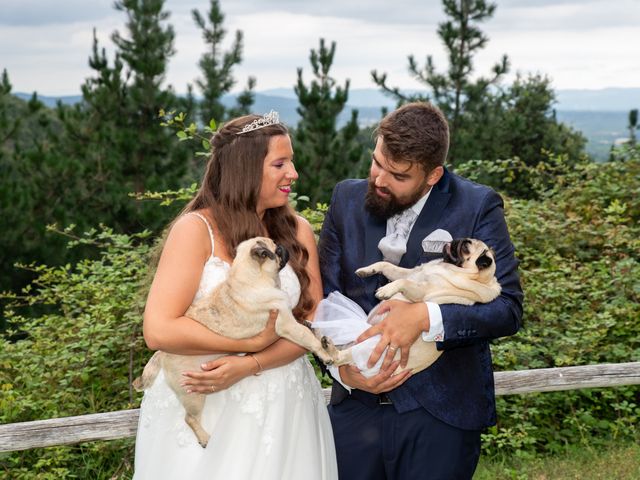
[(123, 423)]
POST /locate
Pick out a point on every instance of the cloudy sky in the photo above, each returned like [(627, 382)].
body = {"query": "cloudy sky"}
[(590, 44)]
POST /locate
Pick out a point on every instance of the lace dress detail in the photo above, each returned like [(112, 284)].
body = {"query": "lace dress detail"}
[(271, 426)]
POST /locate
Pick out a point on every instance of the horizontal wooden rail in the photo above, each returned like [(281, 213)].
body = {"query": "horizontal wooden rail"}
[(567, 378), (124, 423)]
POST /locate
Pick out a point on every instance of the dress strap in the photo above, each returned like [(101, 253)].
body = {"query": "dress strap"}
[(204, 219)]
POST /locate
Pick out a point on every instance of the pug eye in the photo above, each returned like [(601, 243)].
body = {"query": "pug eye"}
[(465, 247)]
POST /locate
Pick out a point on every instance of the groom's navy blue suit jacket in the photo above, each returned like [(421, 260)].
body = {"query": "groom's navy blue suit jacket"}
[(458, 388)]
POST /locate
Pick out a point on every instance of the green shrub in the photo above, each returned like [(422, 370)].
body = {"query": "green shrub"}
[(579, 250), (77, 359)]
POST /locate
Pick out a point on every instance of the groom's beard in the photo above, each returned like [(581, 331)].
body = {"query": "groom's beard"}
[(388, 207)]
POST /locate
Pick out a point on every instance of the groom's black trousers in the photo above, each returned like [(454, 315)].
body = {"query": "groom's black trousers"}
[(377, 443)]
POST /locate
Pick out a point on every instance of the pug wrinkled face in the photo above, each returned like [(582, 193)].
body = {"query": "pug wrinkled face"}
[(469, 253), (264, 250)]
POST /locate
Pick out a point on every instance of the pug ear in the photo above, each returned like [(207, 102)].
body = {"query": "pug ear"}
[(261, 253), (484, 261)]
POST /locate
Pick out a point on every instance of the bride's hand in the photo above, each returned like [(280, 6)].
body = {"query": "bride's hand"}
[(219, 374), (266, 337)]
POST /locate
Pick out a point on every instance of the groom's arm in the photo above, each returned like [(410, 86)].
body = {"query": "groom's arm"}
[(503, 316), (330, 253)]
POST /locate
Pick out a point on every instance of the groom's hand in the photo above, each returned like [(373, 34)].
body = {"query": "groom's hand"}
[(384, 381), (399, 330)]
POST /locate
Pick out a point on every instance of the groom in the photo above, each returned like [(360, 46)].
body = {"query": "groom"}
[(427, 425)]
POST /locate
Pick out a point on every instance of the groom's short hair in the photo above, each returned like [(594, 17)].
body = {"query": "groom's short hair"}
[(417, 132)]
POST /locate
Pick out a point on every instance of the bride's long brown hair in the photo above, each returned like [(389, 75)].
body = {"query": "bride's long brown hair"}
[(230, 190)]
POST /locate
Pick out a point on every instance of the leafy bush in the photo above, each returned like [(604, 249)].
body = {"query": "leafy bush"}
[(579, 250), (79, 358), (518, 179)]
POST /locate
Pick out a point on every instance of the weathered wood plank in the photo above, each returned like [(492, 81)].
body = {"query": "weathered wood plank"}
[(68, 430), (123, 423), (567, 378)]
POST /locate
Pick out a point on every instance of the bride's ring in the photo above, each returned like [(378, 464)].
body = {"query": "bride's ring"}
[(392, 347), (213, 388)]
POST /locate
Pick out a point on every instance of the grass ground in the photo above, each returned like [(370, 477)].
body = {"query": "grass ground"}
[(618, 462)]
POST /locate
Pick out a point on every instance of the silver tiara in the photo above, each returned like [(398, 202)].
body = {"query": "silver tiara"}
[(271, 118)]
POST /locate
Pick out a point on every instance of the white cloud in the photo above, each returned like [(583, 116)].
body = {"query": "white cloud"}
[(47, 12), (45, 45)]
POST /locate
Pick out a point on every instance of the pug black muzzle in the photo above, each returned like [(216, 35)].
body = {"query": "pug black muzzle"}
[(283, 255)]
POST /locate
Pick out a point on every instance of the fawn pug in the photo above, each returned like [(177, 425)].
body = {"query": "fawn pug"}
[(237, 308), (465, 275)]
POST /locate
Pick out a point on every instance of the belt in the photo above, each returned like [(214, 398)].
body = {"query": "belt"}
[(371, 399)]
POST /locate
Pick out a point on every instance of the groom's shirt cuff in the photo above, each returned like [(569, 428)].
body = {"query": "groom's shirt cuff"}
[(335, 373), (436, 328)]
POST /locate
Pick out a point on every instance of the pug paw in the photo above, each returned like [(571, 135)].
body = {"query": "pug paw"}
[(385, 292), (331, 351), (365, 272)]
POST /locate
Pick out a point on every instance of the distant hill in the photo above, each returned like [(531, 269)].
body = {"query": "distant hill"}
[(601, 128), (51, 101), (601, 115), (606, 99)]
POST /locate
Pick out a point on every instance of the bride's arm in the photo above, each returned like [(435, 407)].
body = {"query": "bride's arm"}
[(175, 283), (225, 371)]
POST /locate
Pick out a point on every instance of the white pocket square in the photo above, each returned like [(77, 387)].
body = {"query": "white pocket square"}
[(436, 240)]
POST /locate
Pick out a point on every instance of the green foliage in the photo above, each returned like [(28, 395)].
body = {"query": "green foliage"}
[(189, 132), (527, 126), (217, 68), (514, 178), (624, 152), (115, 131), (77, 164), (322, 152), (580, 272), (518, 121), (32, 179), (80, 357)]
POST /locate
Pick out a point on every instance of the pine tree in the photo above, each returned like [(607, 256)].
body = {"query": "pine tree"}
[(633, 126), (324, 154), (455, 92), (217, 67), (146, 51), (487, 121), (115, 130), (34, 185), (9, 124)]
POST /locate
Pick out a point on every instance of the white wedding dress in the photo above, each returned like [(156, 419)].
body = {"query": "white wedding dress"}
[(273, 426)]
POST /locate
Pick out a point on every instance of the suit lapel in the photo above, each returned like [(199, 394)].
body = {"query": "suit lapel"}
[(426, 222), (375, 229)]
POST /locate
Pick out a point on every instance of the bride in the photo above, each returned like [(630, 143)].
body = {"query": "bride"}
[(264, 407)]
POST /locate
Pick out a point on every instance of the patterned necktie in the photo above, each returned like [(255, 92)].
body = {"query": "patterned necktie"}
[(394, 245)]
